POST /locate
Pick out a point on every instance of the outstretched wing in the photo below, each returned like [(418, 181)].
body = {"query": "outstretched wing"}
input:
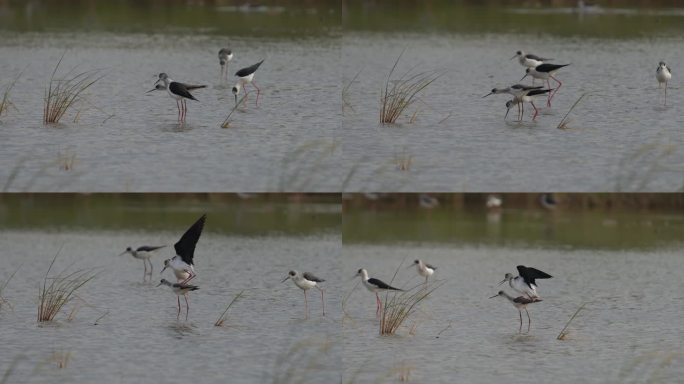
[(311, 277), (185, 247), (530, 274)]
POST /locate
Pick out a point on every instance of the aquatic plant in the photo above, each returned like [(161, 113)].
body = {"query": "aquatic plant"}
[(226, 121), (62, 94), (563, 333), (4, 301), (219, 322), (564, 122), (5, 102), (60, 290), (399, 94), (399, 305), (345, 93)]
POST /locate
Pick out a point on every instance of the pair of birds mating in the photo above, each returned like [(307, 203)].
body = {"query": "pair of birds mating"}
[(526, 285), (538, 69), (180, 92), (376, 285), (182, 263)]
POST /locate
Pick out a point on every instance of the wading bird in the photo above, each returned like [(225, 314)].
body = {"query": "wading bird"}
[(525, 282), (246, 76), (225, 55), (143, 253), (544, 72), (374, 285), (306, 281), (182, 264), (424, 269), (663, 75), (180, 289), (519, 303)]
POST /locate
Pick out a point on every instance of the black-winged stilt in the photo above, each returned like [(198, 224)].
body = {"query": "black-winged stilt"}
[(529, 60), (224, 55), (246, 76), (143, 253), (374, 285), (424, 269), (306, 281), (519, 303), (663, 75), (544, 72), (182, 264), (177, 91), (525, 282), (180, 289), (528, 98)]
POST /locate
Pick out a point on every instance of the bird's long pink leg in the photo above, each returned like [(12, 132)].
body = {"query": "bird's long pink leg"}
[(187, 307), (520, 313), (536, 111), (559, 87), (179, 112), (519, 112), (178, 315), (548, 101), (377, 304), (522, 104), (322, 301), (192, 276), (666, 93), (529, 321), (258, 92), (306, 304)]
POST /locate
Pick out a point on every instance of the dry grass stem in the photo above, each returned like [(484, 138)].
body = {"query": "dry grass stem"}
[(5, 103), (219, 322), (563, 333), (58, 291), (565, 121), (399, 94), (63, 94), (4, 301), (226, 121), (399, 306), (345, 93)]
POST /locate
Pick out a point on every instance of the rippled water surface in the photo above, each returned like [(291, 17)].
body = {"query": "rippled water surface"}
[(122, 139), (266, 337), (629, 330), (618, 138)]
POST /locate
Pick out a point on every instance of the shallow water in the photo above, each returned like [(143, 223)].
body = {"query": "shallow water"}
[(629, 330), (266, 337), (619, 138), (127, 140)]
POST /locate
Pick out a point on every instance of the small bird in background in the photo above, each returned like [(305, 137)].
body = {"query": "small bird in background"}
[(225, 55), (143, 253), (424, 269), (663, 75)]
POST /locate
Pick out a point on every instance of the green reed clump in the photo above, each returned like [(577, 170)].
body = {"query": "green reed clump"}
[(400, 305), (62, 94), (219, 322), (58, 291), (400, 93)]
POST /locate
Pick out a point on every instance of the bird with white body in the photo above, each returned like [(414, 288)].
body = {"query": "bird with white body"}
[(520, 303), (182, 263), (663, 75), (375, 285), (180, 289), (143, 253), (424, 269), (306, 281), (525, 283)]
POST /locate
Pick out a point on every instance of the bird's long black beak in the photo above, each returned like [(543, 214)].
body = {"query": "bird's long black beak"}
[(489, 94), (514, 56), (285, 279), (163, 269), (235, 99), (123, 253), (507, 110), (523, 78), (494, 296), (159, 284), (411, 265), (504, 280), (151, 90)]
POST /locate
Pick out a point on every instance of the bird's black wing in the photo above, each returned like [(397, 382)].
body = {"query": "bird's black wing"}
[(185, 247), (549, 67), (191, 87), (529, 274), (249, 70), (180, 89), (526, 300), (536, 92), (311, 277), (382, 285), (535, 57), (431, 267), (147, 248), (526, 87), (185, 286)]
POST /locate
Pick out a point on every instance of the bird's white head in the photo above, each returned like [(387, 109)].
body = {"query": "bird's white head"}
[(507, 277), (166, 265), (363, 273), (290, 275)]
